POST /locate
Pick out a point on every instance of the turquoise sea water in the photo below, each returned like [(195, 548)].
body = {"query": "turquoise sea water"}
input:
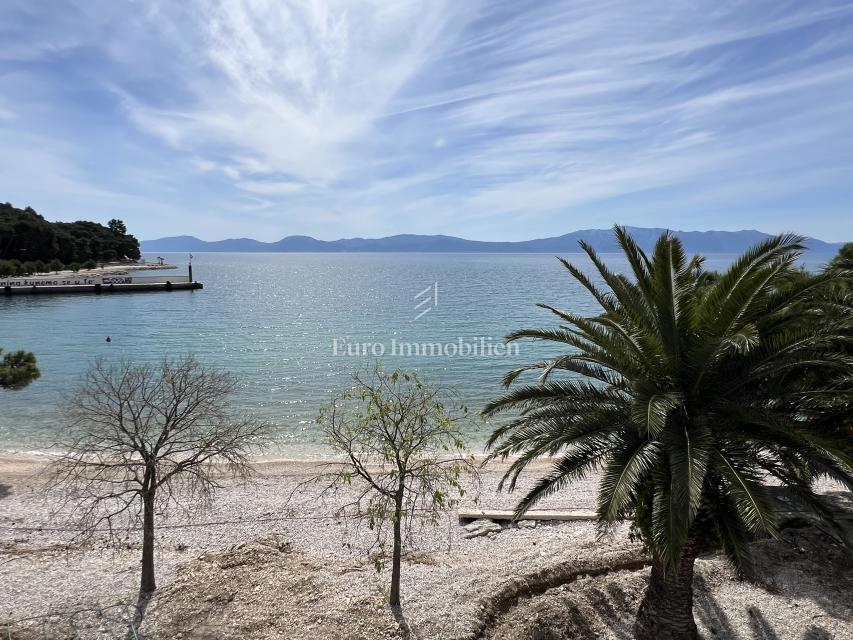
[(272, 319)]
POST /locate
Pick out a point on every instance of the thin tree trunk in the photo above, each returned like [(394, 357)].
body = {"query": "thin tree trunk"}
[(148, 583), (666, 612), (394, 599)]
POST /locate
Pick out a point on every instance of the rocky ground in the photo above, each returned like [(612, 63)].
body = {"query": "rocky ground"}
[(806, 593), (270, 560), (266, 590)]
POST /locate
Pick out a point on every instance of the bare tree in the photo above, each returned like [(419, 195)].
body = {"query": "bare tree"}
[(143, 438), (402, 450)]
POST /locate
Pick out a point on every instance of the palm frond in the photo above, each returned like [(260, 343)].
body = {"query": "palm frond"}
[(572, 466), (570, 392), (652, 412), (630, 466), (747, 491)]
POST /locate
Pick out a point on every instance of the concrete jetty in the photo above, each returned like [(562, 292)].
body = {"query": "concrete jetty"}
[(95, 284)]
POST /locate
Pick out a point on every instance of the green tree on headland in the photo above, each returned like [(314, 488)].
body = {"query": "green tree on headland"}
[(27, 237), (117, 227), (17, 369), (693, 391)]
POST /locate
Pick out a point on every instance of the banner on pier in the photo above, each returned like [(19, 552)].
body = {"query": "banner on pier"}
[(67, 281)]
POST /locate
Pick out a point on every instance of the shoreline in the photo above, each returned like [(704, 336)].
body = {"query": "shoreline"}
[(27, 463), (113, 269)]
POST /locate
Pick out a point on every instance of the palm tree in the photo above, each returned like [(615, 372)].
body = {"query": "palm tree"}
[(687, 392)]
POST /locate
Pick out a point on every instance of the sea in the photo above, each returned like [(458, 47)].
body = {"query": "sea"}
[(294, 327)]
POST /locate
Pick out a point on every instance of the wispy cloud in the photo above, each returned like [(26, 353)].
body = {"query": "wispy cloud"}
[(294, 85), (271, 187), (455, 117)]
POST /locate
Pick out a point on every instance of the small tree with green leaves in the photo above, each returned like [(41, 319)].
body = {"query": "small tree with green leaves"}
[(18, 369), (403, 453)]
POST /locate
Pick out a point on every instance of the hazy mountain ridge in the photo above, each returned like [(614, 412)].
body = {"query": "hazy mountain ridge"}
[(601, 239)]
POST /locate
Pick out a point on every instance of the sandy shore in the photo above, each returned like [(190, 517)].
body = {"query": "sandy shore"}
[(445, 579)]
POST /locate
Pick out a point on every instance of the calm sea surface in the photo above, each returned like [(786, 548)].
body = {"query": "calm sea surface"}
[(272, 319)]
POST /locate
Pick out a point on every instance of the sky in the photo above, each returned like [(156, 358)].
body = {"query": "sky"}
[(486, 120)]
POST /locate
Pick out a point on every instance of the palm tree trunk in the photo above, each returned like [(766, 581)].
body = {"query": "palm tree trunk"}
[(666, 612)]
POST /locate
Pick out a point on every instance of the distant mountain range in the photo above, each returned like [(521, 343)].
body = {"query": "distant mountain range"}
[(601, 239)]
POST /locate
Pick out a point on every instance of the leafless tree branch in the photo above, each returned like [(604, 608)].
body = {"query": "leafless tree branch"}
[(143, 438)]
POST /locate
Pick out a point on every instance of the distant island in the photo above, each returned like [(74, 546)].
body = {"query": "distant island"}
[(601, 240)]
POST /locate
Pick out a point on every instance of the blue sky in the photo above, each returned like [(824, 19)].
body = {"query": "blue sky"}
[(487, 120)]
